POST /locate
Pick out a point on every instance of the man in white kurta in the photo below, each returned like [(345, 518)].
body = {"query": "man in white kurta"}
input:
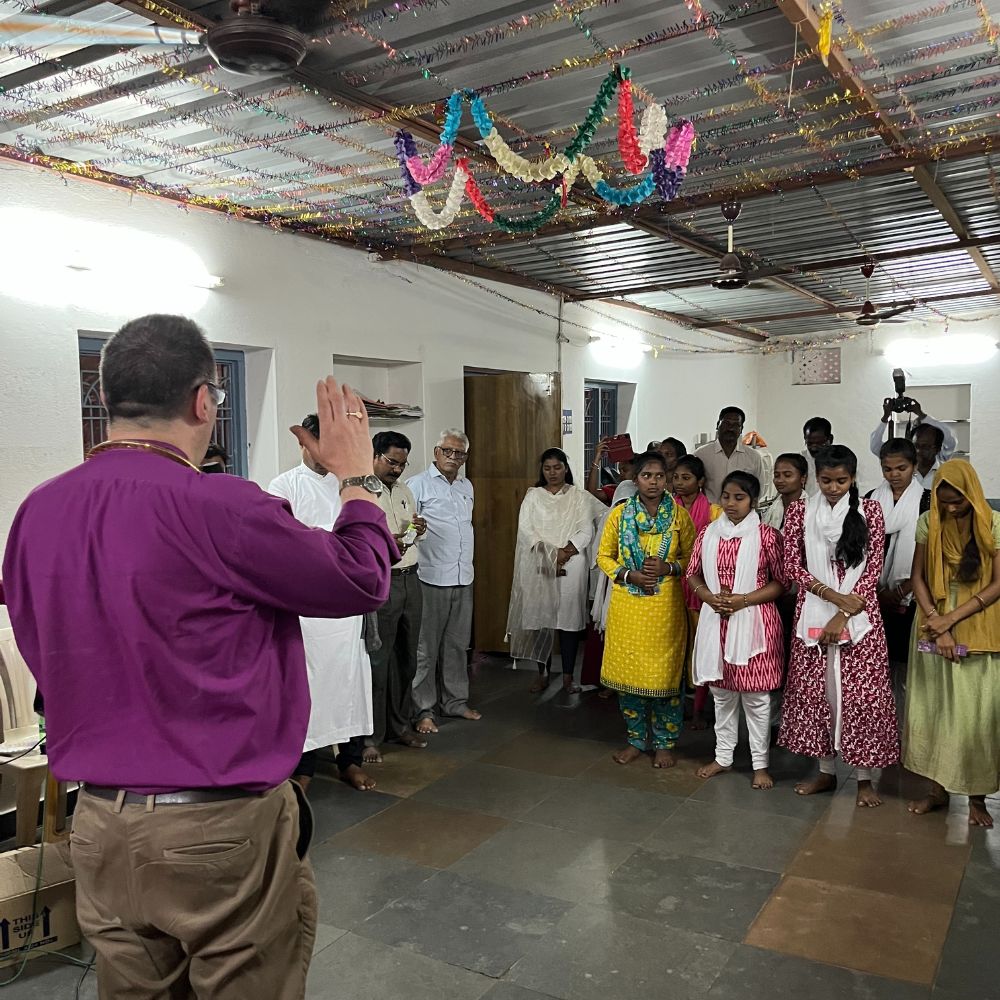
[(340, 677)]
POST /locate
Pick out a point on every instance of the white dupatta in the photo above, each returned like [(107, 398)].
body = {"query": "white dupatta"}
[(900, 530), (824, 525), (745, 631)]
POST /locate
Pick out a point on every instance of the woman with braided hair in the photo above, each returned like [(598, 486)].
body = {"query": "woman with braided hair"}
[(838, 698)]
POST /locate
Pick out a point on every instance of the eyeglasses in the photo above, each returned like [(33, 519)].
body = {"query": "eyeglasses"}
[(459, 456), (218, 394), (393, 463)]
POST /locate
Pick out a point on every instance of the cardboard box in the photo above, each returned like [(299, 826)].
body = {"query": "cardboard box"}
[(52, 926)]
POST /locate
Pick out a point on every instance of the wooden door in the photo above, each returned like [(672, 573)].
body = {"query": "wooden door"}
[(511, 418)]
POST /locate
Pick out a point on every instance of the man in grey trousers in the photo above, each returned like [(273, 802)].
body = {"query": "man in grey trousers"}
[(444, 501)]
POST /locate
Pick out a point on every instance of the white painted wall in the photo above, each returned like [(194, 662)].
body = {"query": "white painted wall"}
[(291, 303), (855, 406)]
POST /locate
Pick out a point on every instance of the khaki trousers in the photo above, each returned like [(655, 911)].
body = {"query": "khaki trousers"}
[(206, 901)]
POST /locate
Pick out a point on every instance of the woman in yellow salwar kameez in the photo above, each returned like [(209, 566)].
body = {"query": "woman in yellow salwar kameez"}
[(644, 549)]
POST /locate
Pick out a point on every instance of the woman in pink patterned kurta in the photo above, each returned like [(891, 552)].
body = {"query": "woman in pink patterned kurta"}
[(751, 681), (866, 722)]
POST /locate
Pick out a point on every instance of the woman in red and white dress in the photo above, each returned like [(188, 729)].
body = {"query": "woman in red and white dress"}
[(838, 697), (737, 569)]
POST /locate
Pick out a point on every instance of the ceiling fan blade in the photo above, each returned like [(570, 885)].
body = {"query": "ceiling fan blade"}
[(885, 314), (34, 30)]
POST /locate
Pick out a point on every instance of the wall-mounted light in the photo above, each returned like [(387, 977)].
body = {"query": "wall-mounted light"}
[(950, 349)]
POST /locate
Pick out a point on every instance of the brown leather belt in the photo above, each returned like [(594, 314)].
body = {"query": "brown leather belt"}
[(182, 798)]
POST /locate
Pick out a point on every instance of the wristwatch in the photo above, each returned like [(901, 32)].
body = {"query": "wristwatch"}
[(371, 483)]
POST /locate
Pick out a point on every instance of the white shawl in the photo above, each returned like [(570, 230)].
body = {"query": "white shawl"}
[(823, 527), (900, 529), (745, 633)]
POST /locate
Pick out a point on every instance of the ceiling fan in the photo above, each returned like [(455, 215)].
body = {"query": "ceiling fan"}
[(732, 271), (872, 316), (260, 37)]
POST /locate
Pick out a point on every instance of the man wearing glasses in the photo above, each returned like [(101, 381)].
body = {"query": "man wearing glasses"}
[(394, 664), (441, 684)]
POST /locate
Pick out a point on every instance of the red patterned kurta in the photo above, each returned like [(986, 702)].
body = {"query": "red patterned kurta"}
[(765, 670), (868, 734)]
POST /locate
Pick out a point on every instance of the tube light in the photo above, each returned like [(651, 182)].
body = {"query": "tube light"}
[(951, 349)]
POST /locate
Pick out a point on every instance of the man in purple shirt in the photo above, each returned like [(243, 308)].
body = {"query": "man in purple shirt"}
[(158, 609)]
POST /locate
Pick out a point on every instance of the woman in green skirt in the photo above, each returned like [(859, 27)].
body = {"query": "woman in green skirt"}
[(952, 726)]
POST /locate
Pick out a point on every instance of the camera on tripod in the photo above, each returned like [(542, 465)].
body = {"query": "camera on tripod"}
[(902, 403)]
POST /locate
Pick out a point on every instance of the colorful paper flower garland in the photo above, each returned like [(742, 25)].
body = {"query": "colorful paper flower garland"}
[(663, 166)]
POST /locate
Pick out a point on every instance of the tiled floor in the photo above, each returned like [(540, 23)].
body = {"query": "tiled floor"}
[(513, 860)]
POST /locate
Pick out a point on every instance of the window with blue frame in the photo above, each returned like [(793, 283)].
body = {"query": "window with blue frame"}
[(231, 421)]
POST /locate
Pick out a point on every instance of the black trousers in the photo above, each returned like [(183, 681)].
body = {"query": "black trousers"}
[(347, 754), (569, 644)]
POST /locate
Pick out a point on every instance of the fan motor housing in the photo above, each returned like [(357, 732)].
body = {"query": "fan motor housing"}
[(252, 45)]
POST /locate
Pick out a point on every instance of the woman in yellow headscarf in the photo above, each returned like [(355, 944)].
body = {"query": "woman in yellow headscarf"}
[(952, 726)]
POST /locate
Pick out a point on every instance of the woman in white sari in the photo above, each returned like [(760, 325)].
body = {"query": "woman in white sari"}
[(551, 569)]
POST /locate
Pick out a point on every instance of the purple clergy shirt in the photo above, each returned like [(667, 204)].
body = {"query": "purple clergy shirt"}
[(158, 610)]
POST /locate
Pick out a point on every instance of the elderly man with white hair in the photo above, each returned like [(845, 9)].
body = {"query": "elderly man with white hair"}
[(444, 501)]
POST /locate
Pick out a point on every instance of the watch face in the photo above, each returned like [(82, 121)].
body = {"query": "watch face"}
[(373, 484)]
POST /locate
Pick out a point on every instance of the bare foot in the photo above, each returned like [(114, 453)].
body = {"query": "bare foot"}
[(605, 693), (412, 740), (762, 779), (371, 756), (867, 796), (471, 714), (664, 759), (356, 778), (937, 799), (979, 815), (626, 756), (426, 726), (541, 683), (711, 770), (699, 722), (821, 783), (569, 685)]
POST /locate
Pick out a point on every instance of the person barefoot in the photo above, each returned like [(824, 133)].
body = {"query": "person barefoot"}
[(711, 770), (979, 815), (821, 783), (471, 714), (762, 779), (371, 756), (698, 722), (867, 797), (937, 798), (357, 778), (425, 726), (541, 682), (627, 755), (569, 685), (664, 759)]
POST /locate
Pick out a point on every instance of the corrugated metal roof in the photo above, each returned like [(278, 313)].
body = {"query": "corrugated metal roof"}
[(315, 152)]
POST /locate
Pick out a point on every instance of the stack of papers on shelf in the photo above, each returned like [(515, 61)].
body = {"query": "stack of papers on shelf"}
[(379, 408)]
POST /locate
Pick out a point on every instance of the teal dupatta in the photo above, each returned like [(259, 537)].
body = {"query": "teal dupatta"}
[(636, 521)]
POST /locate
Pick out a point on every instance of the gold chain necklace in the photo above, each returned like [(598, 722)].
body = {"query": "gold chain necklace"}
[(125, 445)]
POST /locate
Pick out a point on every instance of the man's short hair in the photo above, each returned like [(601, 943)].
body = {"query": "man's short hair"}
[(150, 367), (215, 450), (817, 425), (385, 440), (311, 423), (732, 409), (452, 432)]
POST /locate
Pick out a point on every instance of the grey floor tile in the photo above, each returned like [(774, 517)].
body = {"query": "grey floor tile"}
[(326, 934), (356, 968), (597, 954), (735, 789), (49, 978), (470, 740), (736, 836), (970, 960), (606, 811), (336, 806), (487, 788), (508, 991), (353, 885), (710, 897), (756, 974), (563, 865), (466, 922)]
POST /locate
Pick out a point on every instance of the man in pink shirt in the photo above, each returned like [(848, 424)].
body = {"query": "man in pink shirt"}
[(158, 609)]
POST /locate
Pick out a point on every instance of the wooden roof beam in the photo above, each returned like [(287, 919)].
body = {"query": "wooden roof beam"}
[(802, 14)]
